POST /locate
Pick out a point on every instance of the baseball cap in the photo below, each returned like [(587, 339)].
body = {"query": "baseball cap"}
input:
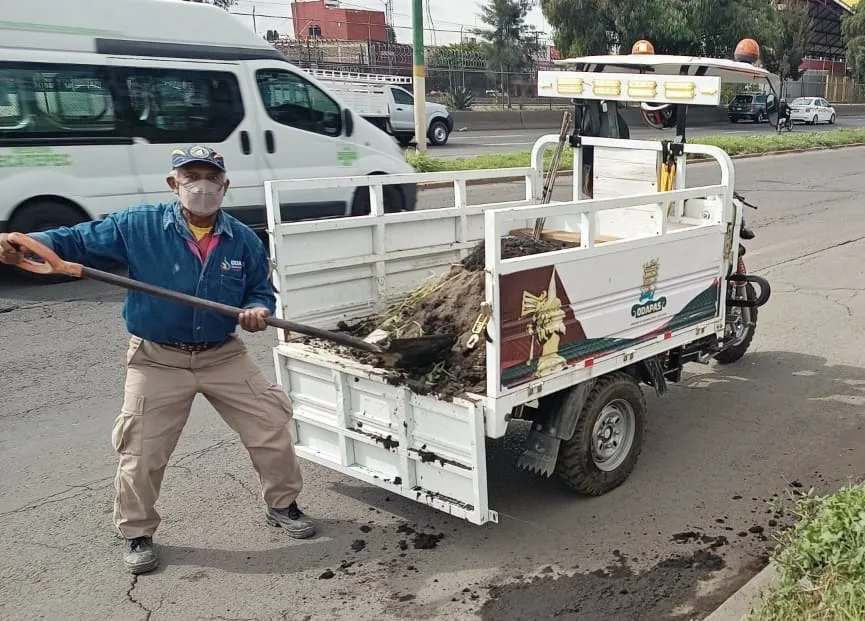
[(197, 154)]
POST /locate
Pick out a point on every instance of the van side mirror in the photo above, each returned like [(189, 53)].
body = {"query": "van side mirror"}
[(349, 122)]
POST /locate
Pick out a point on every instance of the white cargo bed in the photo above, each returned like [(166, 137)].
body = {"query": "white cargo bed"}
[(349, 418), (366, 93)]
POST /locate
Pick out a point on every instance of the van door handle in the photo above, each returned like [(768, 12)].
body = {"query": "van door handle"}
[(268, 141), (244, 142)]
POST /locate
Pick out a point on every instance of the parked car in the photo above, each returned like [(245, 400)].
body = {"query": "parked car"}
[(812, 110), (747, 106)]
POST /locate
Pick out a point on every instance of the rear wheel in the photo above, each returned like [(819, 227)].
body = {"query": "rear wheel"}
[(608, 439), (404, 140), (832, 120), (760, 117), (741, 334), (44, 215)]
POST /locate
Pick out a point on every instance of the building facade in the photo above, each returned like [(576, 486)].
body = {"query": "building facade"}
[(325, 19)]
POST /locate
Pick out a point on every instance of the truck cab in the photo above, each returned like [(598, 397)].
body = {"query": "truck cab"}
[(439, 122)]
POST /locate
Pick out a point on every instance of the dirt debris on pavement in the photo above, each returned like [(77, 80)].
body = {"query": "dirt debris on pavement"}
[(616, 592), (449, 304)]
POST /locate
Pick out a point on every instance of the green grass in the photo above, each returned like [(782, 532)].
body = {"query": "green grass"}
[(733, 145), (821, 562)]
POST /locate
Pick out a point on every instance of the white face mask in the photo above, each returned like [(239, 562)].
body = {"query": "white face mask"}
[(202, 197)]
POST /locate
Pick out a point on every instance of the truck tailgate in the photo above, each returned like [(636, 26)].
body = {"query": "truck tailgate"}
[(346, 417)]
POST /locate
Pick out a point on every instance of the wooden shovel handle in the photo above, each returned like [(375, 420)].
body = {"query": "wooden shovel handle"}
[(52, 263)]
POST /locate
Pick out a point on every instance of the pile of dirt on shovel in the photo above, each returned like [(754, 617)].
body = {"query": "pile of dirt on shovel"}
[(452, 307)]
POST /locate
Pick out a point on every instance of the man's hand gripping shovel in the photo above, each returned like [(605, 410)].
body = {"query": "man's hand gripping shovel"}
[(401, 353)]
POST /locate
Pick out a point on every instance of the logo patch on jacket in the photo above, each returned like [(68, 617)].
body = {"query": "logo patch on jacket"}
[(231, 266)]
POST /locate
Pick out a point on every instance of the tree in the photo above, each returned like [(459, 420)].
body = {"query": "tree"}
[(508, 46), (580, 27), (716, 26), (602, 26), (698, 27), (853, 33), (390, 33), (783, 54)]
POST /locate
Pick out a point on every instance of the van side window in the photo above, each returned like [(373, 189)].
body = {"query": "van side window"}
[(401, 97), (63, 101), (291, 100), (171, 106)]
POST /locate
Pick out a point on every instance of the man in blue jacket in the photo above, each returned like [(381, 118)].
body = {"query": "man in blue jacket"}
[(175, 351)]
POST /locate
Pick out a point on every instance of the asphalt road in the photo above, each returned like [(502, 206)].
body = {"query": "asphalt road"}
[(681, 534), (472, 142)]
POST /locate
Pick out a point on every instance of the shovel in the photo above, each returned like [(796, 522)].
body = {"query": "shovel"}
[(410, 353)]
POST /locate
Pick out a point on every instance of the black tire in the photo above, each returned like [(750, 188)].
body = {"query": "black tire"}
[(815, 120), (394, 200), (44, 215), (577, 466), (404, 140), (832, 120), (734, 120), (735, 353), (760, 117), (438, 133)]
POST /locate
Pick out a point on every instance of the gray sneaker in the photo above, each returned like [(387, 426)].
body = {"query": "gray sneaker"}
[(292, 520), (139, 556)]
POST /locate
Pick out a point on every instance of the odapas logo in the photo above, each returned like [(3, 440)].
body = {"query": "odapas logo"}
[(648, 304)]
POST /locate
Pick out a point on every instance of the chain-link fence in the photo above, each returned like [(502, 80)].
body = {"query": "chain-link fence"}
[(446, 69)]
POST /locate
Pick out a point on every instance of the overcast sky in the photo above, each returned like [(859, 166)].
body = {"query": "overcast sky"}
[(450, 17)]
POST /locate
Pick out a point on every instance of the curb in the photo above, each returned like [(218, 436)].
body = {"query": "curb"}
[(435, 185), (747, 598)]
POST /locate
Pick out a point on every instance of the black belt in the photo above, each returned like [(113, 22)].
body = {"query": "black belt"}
[(194, 347)]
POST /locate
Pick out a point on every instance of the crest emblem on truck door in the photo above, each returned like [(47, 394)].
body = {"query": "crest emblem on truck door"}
[(547, 325), (648, 304)]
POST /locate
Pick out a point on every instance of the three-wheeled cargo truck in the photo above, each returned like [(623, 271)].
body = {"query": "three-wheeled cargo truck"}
[(653, 279)]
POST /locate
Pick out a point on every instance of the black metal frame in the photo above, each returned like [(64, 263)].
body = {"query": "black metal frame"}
[(824, 32)]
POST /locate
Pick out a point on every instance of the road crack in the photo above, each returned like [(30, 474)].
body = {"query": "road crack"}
[(60, 496), (147, 611), (766, 268), (241, 483), (195, 455)]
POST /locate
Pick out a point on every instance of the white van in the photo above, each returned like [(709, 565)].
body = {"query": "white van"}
[(94, 94)]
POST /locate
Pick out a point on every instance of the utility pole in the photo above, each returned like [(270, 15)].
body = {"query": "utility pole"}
[(418, 75)]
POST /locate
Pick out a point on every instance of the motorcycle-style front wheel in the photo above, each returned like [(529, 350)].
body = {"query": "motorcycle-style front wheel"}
[(741, 333)]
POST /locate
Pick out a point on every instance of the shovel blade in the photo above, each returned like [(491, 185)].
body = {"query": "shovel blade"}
[(419, 352)]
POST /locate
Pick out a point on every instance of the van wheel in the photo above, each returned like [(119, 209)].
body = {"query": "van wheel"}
[(608, 439), (438, 133), (394, 200), (44, 215), (404, 140)]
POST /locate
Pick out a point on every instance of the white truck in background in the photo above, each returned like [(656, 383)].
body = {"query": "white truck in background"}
[(381, 101)]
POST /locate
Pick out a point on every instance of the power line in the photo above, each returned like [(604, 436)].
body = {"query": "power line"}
[(353, 23), (350, 5)]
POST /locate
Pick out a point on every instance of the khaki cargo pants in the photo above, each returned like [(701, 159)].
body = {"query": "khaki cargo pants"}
[(161, 383)]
